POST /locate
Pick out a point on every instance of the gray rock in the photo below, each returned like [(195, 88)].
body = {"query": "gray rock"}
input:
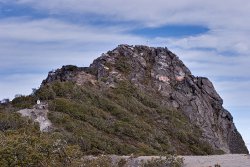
[(38, 114), (159, 70)]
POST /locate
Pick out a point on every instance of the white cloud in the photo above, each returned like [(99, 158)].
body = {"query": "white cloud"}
[(221, 40), (51, 30), (214, 13), (49, 41)]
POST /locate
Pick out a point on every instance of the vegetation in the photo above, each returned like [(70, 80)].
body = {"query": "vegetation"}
[(108, 161), (90, 121), (21, 144), (167, 161), (23, 102), (122, 64)]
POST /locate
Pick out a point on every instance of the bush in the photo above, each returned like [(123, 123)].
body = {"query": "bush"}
[(108, 161), (125, 88), (63, 89), (22, 144), (45, 93), (21, 102), (12, 121), (122, 65), (167, 161), (120, 121)]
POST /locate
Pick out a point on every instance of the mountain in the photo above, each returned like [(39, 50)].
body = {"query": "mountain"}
[(133, 99)]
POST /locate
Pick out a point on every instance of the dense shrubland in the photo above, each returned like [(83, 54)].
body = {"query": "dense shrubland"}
[(90, 121)]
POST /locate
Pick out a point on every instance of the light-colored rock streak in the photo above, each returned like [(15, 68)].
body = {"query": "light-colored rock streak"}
[(38, 115)]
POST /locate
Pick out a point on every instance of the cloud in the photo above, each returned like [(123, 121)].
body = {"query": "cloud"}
[(213, 13), (50, 41), (220, 40), (52, 30)]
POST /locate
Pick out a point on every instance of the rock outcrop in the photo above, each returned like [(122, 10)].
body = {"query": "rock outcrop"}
[(159, 71), (38, 114)]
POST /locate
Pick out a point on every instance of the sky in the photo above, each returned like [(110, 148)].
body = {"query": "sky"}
[(211, 37)]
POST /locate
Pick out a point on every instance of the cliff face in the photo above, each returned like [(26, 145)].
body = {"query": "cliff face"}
[(159, 73)]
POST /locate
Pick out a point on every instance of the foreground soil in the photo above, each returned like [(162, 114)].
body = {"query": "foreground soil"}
[(227, 160)]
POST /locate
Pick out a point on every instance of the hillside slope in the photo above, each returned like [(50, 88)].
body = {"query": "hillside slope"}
[(136, 99), (159, 75)]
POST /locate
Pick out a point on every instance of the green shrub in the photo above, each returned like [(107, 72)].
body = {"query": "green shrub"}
[(63, 89), (167, 161), (122, 64), (45, 93), (22, 144), (121, 121), (70, 67), (125, 88), (12, 121), (23, 102)]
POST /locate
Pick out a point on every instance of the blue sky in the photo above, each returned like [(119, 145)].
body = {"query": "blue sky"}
[(212, 38)]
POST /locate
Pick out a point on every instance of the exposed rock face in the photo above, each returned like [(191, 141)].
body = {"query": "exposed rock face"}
[(159, 71), (38, 114)]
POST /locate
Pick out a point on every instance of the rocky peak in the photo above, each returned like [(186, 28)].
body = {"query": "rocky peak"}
[(159, 71), (140, 64)]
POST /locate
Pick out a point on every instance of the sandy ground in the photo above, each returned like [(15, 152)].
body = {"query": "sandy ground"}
[(228, 160)]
